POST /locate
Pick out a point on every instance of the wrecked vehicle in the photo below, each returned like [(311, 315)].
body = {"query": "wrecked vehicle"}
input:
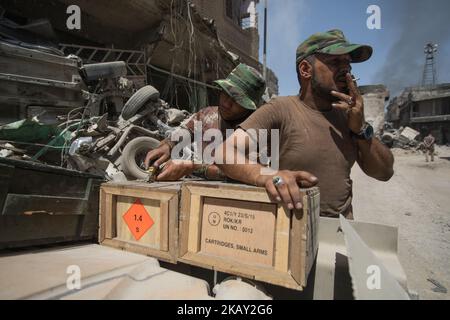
[(80, 117), (119, 151)]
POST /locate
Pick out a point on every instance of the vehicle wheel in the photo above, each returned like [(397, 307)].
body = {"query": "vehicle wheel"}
[(133, 157), (138, 100)]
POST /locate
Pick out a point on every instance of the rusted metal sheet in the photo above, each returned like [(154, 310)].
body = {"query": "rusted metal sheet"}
[(44, 205)]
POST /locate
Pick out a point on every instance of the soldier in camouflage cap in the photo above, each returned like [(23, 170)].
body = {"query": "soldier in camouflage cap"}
[(322, 131), (332, 42)]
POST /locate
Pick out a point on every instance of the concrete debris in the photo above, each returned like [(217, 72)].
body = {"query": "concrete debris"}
[(7, 150), (408, 135), (5, 153), (439, 288), (404, 138)]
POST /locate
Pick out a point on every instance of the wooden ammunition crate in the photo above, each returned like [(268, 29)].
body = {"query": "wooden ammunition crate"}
[(141, 218), (236, 229)]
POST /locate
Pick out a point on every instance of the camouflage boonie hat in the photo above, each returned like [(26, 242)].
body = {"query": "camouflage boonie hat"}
[(333, 42), (245, 85)]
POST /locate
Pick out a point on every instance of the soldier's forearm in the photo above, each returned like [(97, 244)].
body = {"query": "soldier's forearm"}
[(375, 159), (246, 173), (233, 160), (209, 172)]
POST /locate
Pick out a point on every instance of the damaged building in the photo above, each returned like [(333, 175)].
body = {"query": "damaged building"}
[(237, 25), (425, 109), (180, 47), (375, 99)]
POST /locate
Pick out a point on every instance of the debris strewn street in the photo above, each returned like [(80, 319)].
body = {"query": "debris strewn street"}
[(416, 200)]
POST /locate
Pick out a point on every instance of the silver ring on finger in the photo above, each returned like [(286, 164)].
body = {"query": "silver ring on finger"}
[(350, 102), (278, 181)]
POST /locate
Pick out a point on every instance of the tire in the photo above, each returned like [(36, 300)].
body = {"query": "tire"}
[(137, 148), (138, 100)]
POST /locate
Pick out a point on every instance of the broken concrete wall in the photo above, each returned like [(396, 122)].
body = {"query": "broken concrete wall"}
[(244, 42), (240, 40)]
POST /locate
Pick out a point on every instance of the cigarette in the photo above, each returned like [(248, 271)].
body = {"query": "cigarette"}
[(355, 79)]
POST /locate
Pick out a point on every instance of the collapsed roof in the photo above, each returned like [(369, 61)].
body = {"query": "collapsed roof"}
[(175, 37)]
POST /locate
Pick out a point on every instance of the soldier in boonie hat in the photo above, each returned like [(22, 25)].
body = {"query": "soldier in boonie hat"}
[(245, 86), (241, 94)]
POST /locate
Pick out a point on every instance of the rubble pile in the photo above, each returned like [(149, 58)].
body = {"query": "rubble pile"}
[(113, 149), (88, 117), (404, 138)]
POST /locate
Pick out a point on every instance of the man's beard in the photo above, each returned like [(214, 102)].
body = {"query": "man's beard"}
[(236, 117), (324, 92)]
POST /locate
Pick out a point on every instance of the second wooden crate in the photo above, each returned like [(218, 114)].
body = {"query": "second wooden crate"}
[(236, 229)]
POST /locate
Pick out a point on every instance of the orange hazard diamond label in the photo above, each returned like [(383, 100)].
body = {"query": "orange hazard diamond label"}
[(138, 220)]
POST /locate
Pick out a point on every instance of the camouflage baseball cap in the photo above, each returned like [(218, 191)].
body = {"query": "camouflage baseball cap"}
[(245, 85), (333, 42)]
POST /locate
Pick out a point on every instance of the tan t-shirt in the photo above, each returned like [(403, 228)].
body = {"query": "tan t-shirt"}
[(316, 142)]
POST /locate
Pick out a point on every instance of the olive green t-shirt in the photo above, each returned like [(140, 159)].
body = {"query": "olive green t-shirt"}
[(313, 141)]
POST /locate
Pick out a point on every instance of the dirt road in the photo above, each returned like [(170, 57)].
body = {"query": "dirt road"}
[(417, 201)]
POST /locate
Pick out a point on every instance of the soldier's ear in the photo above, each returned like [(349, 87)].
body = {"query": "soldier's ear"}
[(305, 69)]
